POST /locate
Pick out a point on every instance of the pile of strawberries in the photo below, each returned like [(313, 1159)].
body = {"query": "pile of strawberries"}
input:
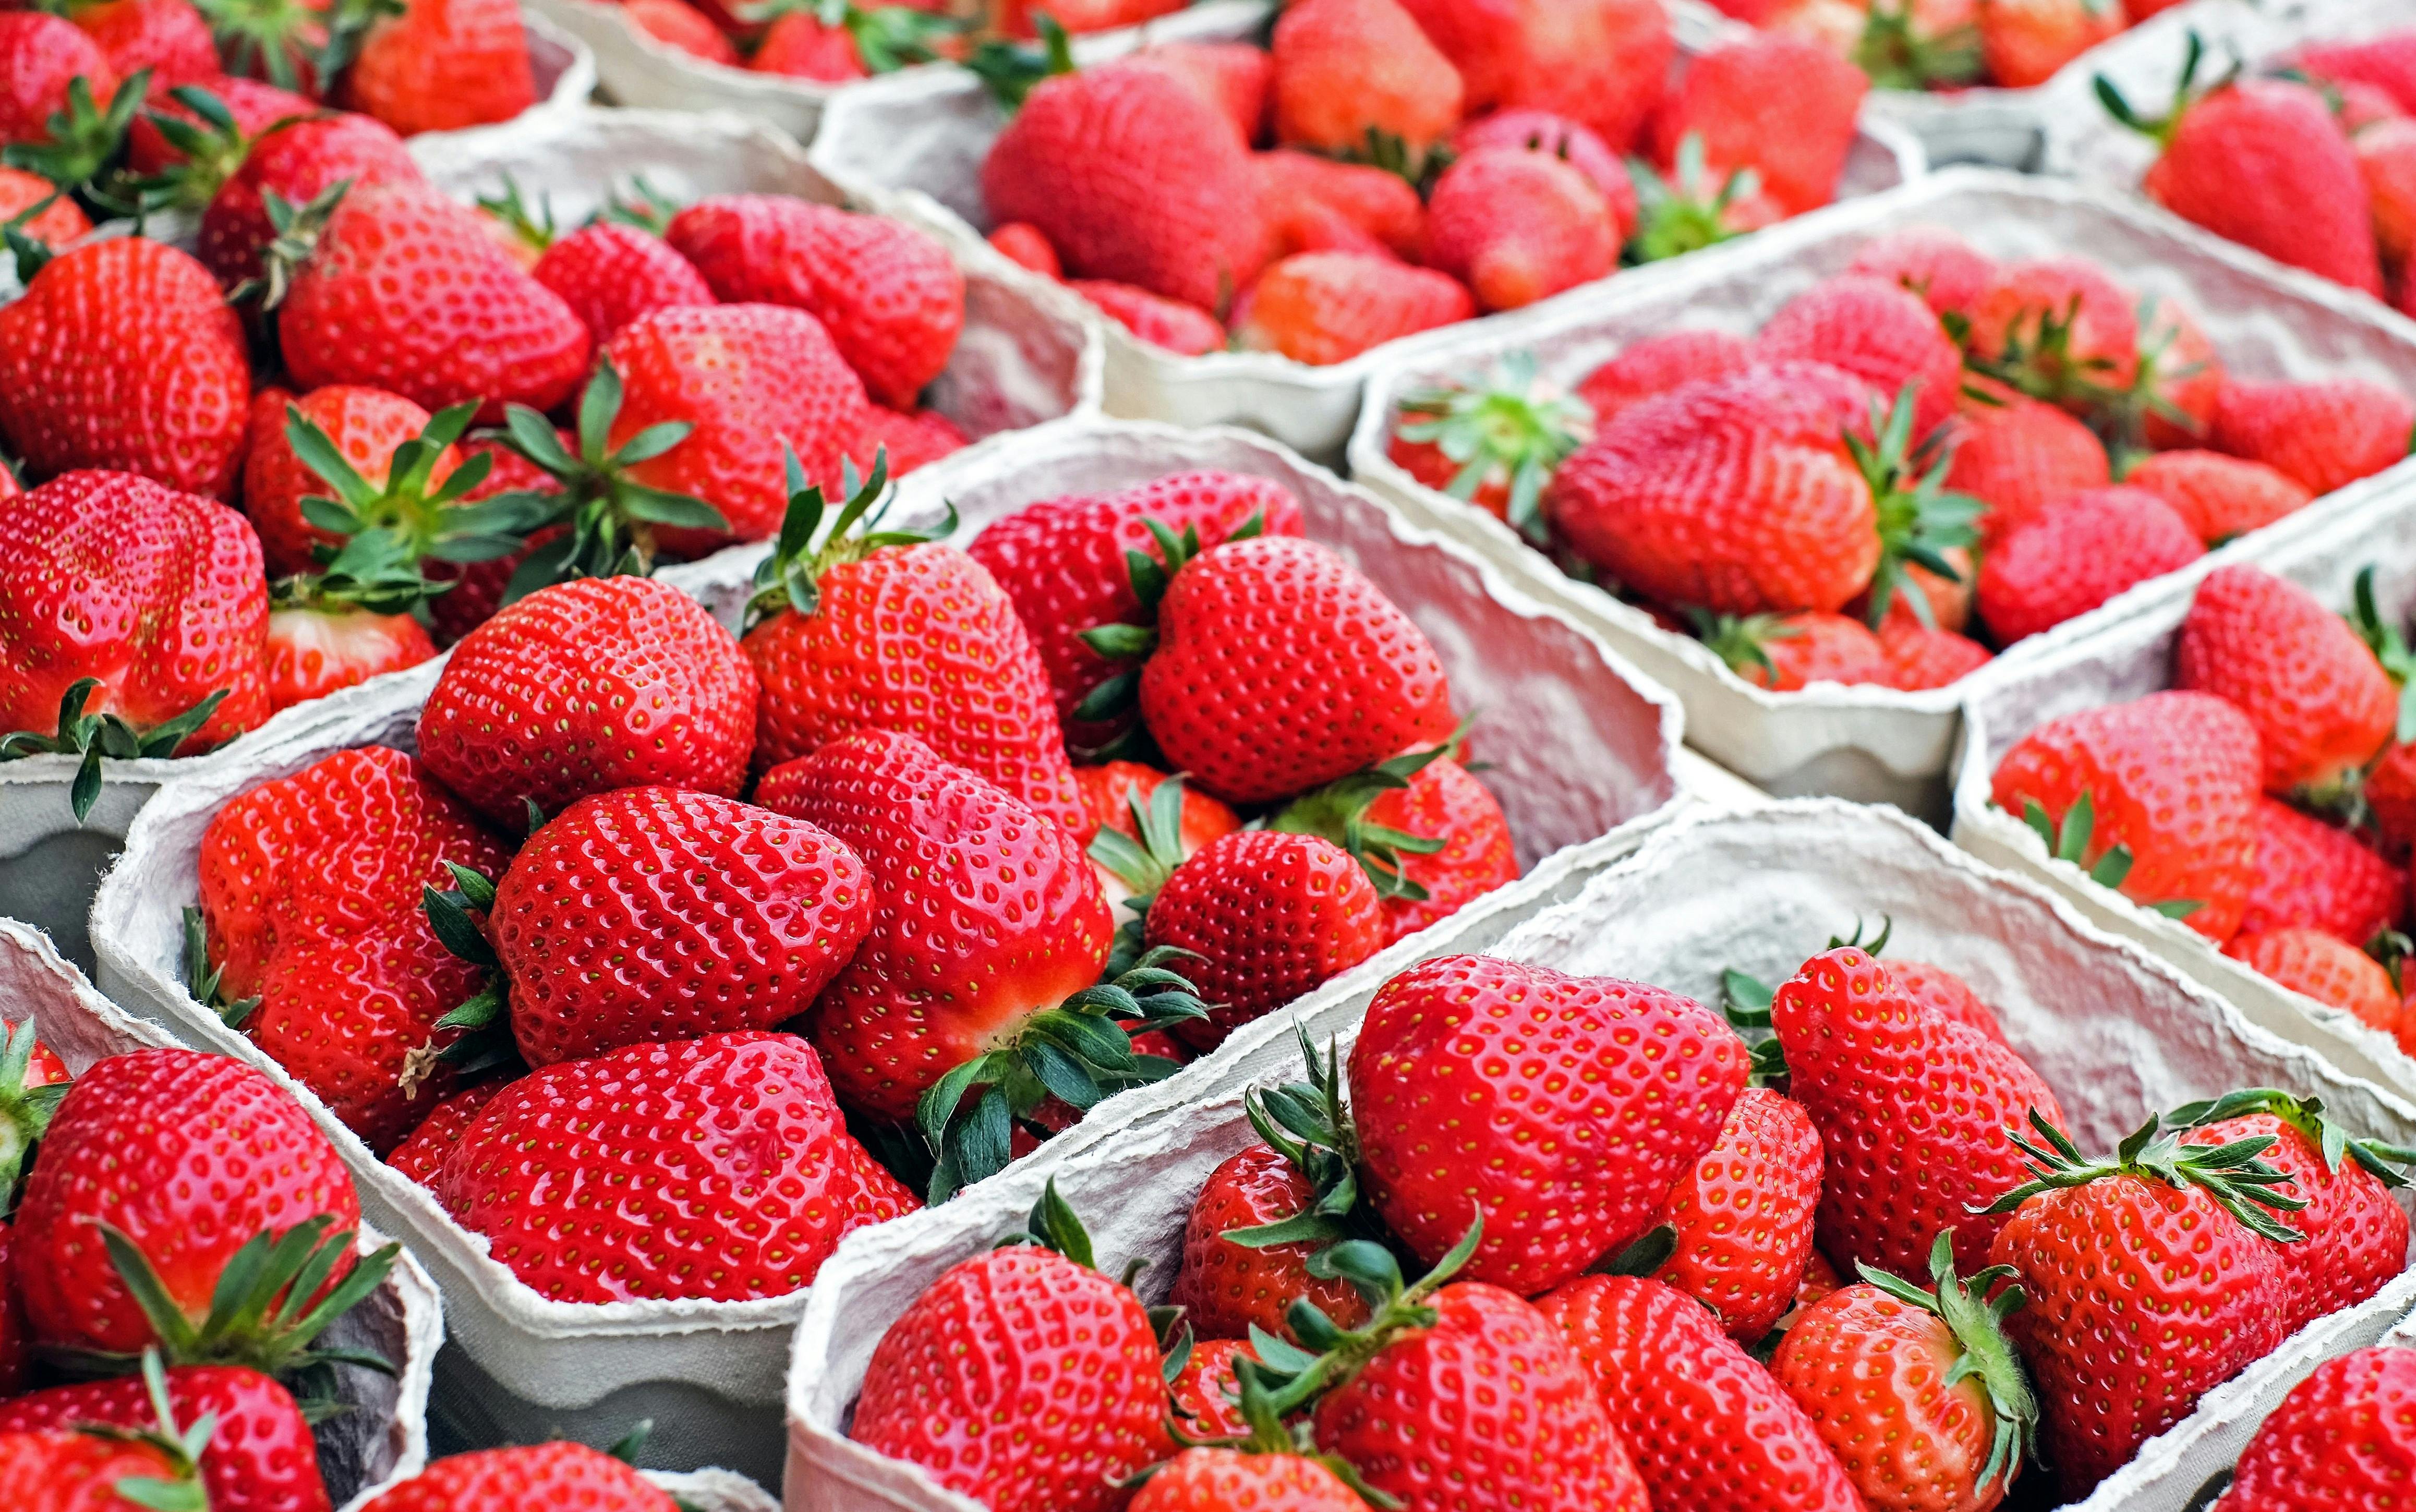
[(2313, 164), (2268, 800), (556, 948), (835, 41), (1928, 454), (1950, 45), (1634, 1291), (321, 359), (1389, 166)]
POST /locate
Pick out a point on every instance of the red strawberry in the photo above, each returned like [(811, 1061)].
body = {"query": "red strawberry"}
[(887, 294), (2171, 781), (1131, 175), (2076, 556), (1739, 1219), (1518, 226), (2321, 703), (1245, 632), (40, 56), (64, 1471), (1943, 993), (1380, 204), (365, 425), (1017, 17), (586, 687), (646, 1122), (1227, 1289), (808, 39), (1214, 1479), (1918, 656), (1494, 443), (2024, 43), (2325, 435), (2388, 63), (1552, 136), (1233, 76), (1785, 653), (1323, 308), (1601, 62), (1349, 73), (167, 37), (1209, 1388), (912, 439), (1478, 1035), (543, 1474), (611, 273), (58, 222), (259, 1457), (1707, 1426), (122, 354), (2180, 376), (2160, 1230), (1114, 793), (422, 1153), (2324, 967), (2218, 496), (1658, 364), (1021, 243), (682, 26), (2340, 1440), (297, 161), (1782, 106), (2021, 458), (2057, 328), (1185, 330), (443, 65), (252, 106), (1934, 261), (1029, 1334), (2311, 875), (1916, 1389), (1881, 334), (855, 630), (1442, 804)]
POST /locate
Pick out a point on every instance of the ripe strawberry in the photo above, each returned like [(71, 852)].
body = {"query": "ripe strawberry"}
[(77, 1472), (1915, 1389), (1349, 74), (208, 158), (1323, 308), (1214, 1479), (259, 1457), (2057, 328), (1658, 364), (1881, 334), (2386, 62), (297, 160), (2077, 554), (1185, 330), (610, 273), (1131, 175), (1381, 205), (1018, 17), (2321, 703), (835, 43), (1021, 243), (364, 425), (2312, 875), (1476, 1033), (123, 355), (911, 438), (1518, 226), (1739, 1219), (1494, 443), (2172, 400), (2386, 159), (167, 37), (403, 290), (2218, 496), (1782, 106), (422, 1153), (58, 222), (586, 687), (1601, 62), (2340, 1440), (1552, 136), (313, 651), (642, 1121), (542, 1475), (684, 28), (1030, 1334), (1943, 993), (858, 628), (1934, 261), (1421, 796), (1707, 1426), (2024, 43), (2161, 1230), (443, 65), (1917, 657), (40, 56), (2022, 458), (2325, 435), (1208, 1388), (1117, 795), (1244, 630), (2324, 967), (1785, 653), (1235, 77)]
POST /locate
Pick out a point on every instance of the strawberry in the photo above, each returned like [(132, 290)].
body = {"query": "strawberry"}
[(1917, 657), (1934, 261), (1214, 1479), (2324, 967), (1235, 77), (259, 1457), (2340, 1440), (1477, 1034), (443, 65), (1907, 44), (312, 652), (1943, 993), (1551, 136), (147, 1463), (1029, 1334), (2386, 62), (1018, 18), (1426, 832), (1738, 1224), (422, 1153), (860, 628), (1916, 1389), (1782, 106), (1380, 204), (1118, 796), (167, 37), (2325, 435), (2022, 458), (2076, 556), (2024, 43), (644, 1121), (2057, 328), (2386, 158), (1518, 226), (1131, 175), (2322, 705), (1881, 334), (2309, 875), (890, 298), (297, 160), (1352, 73), (1208, 1388), (1658, 364), (683, 28), (541, 1474), (57, 220), (1185, 330), (2171, 404), (1494, 443), (586, 687), (1021, 243), (610, 273), (1707, 1426), (364, 426), (2174, 1233), (836, 43), (1600, 63), (1245, 630), (2218, 496), (40, 56), (122, 354), (912, 438), (207, 150), (1323, 308), (1786, 653)]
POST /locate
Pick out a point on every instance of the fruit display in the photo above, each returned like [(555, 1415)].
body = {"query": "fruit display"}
[(1785, 1287), (1951, 46)]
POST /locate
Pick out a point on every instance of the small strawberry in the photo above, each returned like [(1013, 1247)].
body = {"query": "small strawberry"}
[(296, 159), (442, 65), (1782, 106), (167, 37), (422, 1153), (1021, 243), (1736, 1230), (2312, 875), (2172, 400), (259, 1457), (1323, 308), (2022, 458), (1120, 795), (33, 205), (1214, 1479), (1518, 226), (2218, 496), (1209, 1388), (2024, 43), (2076, 556), (1658, 364), (683, 28), (1918, 656), (1882, 334), (540, 1475), (912, 438), (1235, 77), (835, 41), (1350, 74), (2386, 62), (2324, 967), (610, 273), (1494, 443), (2341, 1440), (2325, 435), (2322, 705), (1786, 653), (2058, 329), (1185, 330), (363, 426), (1934, 261)]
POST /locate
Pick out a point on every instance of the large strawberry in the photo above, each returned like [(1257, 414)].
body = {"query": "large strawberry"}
[(539, 1474), (1659, 364), (259, 1457), (2321, 702), (2312, 875), (611, 272), (2074, 556), (2022, 457), (297, 160), (585, 686), (1327, 307), (735, 1122), (1784, 107), (1350, 73), (1563, 1171), (1882, 334), (122, 353), (1518, 226), (855, 627), (443, 65), (2343, 1439)]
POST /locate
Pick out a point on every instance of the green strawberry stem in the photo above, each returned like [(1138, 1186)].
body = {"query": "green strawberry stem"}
[(1746, 1000), (532, 226), (1308, 1124), (2241, 1184), (1011, 71), (789, 580), (82, 141), (486, 1042), (2160, 129), (1513, 422), (1977, 1320), (2306, 1115), (273, 40), (1896, 56), (209, 148), (2390, 647), (1144, 865), (1117, 698), (1743, 640), (2068, 839), (2120, 417), (296, 230), (25, 1112), (201, 979), (181, 1491), (1674, 214), (1338, 812), (1330, 1355), (1918, 521), (887, 37), (2040, 364), (92, 736)]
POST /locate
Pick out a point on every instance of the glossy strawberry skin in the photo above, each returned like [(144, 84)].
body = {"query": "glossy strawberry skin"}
[(2321, 702), (57, 1471), (1107, 793), (738, 1123), (1445, 801), (16, 1335), (1208, 1388), (890, 298), (653, 914), (138, 1143), (1213, 1480), (2218, 496), (1658, 364), (366, 425), (585, 686), (2356, 1237), (1490, 1396), (609, 274), (2341, 1440), (2076, 556), (443, 66), (1270, 917), (2324, 435), (123, 355), (1480, 1036), (1743, 1213), (1707, 1426), (422, 1153), (1941, 991), (1783, 106), (156, 594), (984, 912), (2172, 777), (2326, 968), (542, 1475), (920, 640), (1932, 261), (59, 222), (1225, 1288), (2312, 875), (167, 37), (1327, 307), (1861, 1056), (2260, 162), (261, 1459), (42, 52), (298, 161), (1882, 334), (1518, 226), (1280, 668), (1344, 68), (1918, 656), (912, 439), (1025, 1336)]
